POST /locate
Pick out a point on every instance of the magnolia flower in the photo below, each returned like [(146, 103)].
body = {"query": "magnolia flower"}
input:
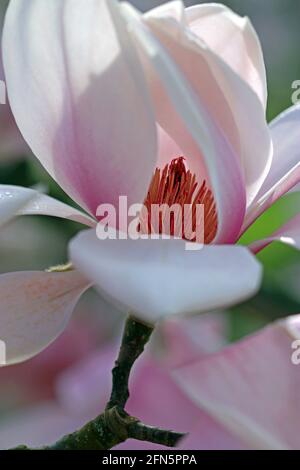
[(110, 101), (12, 145)]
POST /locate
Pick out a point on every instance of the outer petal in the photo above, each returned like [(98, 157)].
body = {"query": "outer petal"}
[(77, 92), (285, 170), (288, 234), (35, 308), (251, 387), (185, 117), (234, 39), (158, 278), (221, 90), (16, 200)]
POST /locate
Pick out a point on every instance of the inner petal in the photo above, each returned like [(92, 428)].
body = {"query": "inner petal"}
[(171, 204)]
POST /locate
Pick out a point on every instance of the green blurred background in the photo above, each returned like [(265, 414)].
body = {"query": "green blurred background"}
[(44, 240)]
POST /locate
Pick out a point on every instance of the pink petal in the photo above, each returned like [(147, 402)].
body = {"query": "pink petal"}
[(222, 91), (288, 234), (251, 387), (35, 308), (285, 170), (159, 278), (16, 200), (233, 39), (77, 92), (186, 118)]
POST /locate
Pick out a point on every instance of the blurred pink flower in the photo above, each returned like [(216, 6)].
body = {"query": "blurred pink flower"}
[(240, 397), (104, 95), (83, 390), (251, 387)]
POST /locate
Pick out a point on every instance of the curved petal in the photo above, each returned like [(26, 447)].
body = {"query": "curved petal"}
[(168, 150), (234, 39), (158, 278), (288, 234), (35, 308), (284, 173), (16, 200), (78, 94), (251, 387), (184, 117), (221, 90)]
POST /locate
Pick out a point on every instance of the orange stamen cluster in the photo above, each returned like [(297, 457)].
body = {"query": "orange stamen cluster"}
[(175, 185)]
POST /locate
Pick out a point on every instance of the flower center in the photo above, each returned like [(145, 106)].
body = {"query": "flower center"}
[(175, 185)]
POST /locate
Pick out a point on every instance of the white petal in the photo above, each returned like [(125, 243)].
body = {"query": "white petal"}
[(224, 93), (251, 387), (16, 200), (35, 308), (78, 94), (187, 120), (284, 173), (234, 39), (158, 278)]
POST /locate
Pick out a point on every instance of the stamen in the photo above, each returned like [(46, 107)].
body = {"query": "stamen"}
[(177, 185)]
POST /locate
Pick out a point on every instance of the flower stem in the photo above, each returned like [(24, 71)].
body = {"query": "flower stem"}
[(114, 425), (136, 335)]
